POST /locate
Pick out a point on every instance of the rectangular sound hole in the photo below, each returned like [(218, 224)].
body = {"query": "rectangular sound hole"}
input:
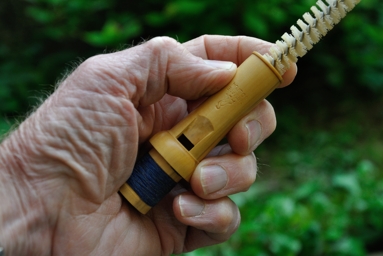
[(185, 142)]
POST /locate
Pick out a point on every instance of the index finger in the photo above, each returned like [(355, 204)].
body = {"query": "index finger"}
[(235, 49)]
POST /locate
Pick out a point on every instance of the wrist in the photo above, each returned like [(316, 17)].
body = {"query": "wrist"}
[(24, 222)]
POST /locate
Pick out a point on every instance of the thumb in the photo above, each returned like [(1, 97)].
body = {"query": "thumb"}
[(196, 77), (170, 68)]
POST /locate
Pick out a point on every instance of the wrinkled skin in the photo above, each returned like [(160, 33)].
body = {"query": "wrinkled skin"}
[(60, 170)]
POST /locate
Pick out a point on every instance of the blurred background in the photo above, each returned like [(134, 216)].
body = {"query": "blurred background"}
[(319, 189)]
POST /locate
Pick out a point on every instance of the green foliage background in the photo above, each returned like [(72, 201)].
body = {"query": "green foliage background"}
[(320, 185)]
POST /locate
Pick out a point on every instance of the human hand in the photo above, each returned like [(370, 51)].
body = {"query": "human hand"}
[(62, 168)]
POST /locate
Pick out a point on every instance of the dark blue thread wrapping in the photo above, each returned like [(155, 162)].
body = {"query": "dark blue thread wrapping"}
[(149, 181)]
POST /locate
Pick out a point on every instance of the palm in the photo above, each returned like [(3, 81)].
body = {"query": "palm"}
[(115, 228), (106, 222)]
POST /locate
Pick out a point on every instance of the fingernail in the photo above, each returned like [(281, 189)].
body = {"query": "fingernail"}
[(220, 64), (213, 178), (191, 206), (254, 131)]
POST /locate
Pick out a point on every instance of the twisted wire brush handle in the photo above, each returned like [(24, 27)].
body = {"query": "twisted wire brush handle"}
[(177, 152)]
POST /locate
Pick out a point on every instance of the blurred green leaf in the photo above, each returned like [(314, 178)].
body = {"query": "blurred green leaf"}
[(282, 244), (113, 33), (40, 15), (348, 246), (185, 7), (155, 19), (257, 25), (348, 182)]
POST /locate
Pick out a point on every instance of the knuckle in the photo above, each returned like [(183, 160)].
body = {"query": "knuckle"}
[(225, 219), (98, 68), (90, 64), (228, 219), (160, 43)]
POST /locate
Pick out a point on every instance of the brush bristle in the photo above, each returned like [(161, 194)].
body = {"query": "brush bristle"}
[(312, 29)]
